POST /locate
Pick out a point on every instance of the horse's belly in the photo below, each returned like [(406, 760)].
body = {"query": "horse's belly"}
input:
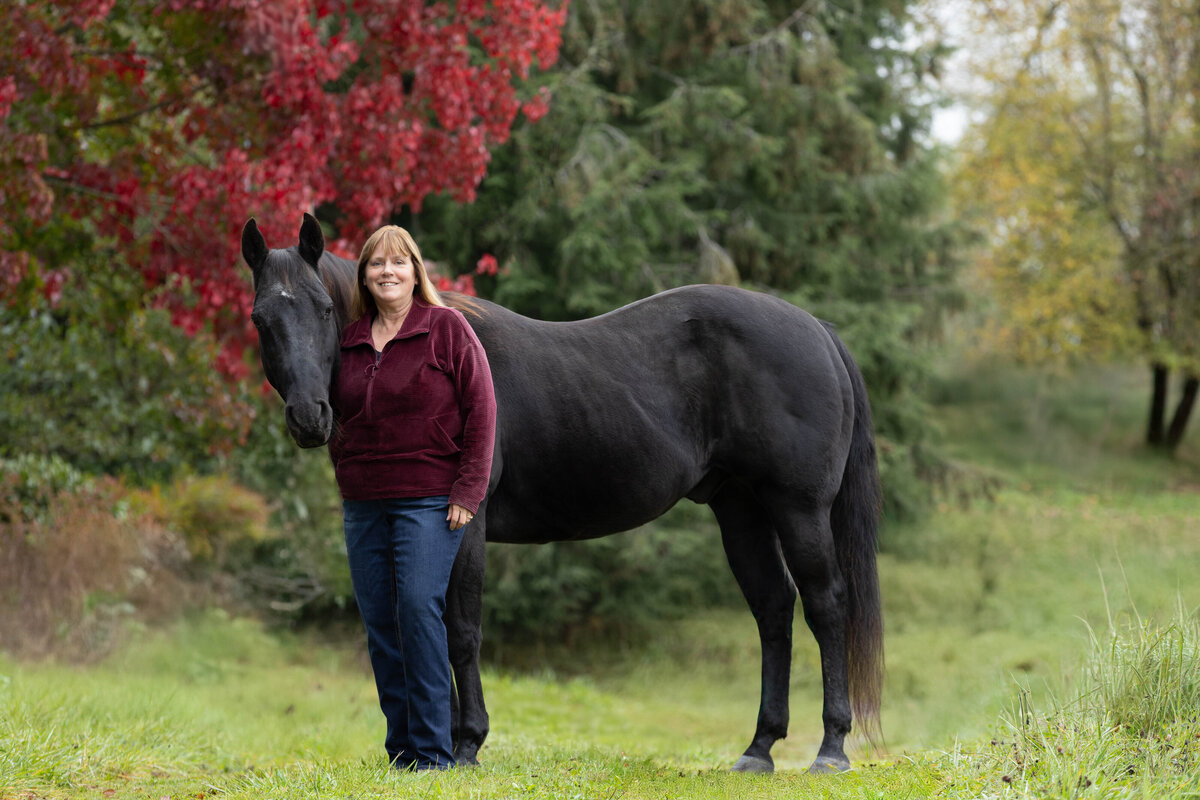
[(549, 505)]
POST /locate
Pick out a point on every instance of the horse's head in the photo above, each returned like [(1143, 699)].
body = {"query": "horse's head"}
[(297, 328)]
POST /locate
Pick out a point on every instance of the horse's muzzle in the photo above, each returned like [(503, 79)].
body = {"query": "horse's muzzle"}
[(310, 422)]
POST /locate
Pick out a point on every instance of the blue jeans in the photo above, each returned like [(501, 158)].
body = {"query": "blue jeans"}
[(401, 552)]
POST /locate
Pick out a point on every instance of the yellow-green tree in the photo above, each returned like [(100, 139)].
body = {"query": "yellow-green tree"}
[(1084, 172)]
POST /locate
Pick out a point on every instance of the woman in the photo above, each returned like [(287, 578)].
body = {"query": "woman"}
[(412, 455)]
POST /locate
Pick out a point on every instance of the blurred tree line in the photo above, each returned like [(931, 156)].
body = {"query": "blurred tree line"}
[(778, 146), (1083, 173)]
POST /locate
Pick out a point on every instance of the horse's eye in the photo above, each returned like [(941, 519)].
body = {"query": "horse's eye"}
[(327, 313), (256, 320)]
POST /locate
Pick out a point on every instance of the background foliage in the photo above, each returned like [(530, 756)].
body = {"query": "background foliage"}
[(103, 380)]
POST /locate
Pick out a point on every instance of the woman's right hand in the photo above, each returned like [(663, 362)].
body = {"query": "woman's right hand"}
[(458, 516)]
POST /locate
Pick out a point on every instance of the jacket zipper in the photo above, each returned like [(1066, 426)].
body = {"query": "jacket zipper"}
[(371, 370)]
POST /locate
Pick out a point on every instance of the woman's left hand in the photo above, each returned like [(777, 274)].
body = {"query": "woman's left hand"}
[(458, 516)]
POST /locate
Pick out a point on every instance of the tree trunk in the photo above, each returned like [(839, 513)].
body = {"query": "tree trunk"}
[(1183, 411), (1158, 406)]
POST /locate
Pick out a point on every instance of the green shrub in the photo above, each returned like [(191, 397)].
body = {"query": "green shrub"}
[(28, 482), (213, 514), (303, 574), (109, 385), (612, 586)]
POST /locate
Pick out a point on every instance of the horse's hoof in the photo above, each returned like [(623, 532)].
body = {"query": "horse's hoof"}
[(763, 766), (824, 765)]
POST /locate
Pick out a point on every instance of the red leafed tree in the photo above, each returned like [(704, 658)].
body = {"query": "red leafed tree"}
[(159, 127)]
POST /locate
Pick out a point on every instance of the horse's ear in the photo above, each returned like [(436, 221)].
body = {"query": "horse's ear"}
[(254, 246), (312, 240)]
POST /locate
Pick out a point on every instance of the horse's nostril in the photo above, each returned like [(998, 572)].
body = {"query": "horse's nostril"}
[(309, 421)]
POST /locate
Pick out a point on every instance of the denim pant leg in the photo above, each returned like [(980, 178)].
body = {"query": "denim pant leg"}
[(425, 549), (401, 553), (369, 548)]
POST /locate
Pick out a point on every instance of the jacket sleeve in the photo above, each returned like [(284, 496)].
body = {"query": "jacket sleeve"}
[(477, 404)]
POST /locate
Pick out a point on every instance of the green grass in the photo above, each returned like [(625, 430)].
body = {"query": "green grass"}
[(1046, 427), (1040, 645), (218, 706)]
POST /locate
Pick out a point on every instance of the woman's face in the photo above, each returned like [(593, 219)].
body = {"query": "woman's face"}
[(390, 278)]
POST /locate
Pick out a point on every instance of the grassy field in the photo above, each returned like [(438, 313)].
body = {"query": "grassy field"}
[(1040, 644)]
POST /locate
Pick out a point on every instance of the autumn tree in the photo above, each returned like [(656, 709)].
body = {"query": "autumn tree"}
[(141, 134), (1086, 175)]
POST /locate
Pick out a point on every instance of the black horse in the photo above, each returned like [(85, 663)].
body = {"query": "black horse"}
[(723, 396)]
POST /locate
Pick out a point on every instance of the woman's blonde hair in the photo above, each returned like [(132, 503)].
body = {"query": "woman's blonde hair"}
[(394, 240)]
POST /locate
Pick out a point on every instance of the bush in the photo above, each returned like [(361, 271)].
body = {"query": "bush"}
[(105, 382), (80, 557), (303, 576), (72, 574), (213, 515), (30, 482), (606, 587)]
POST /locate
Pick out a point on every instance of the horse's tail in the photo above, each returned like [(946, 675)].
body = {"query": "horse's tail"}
[(855, 521)]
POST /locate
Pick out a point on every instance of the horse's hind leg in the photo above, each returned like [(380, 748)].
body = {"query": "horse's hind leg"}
[(754, 556), (807, 542), (464, 617)]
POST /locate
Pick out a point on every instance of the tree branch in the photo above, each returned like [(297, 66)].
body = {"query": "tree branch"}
[(125, 119)]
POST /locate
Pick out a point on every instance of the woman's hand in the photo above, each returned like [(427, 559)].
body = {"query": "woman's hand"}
[(458, 516)]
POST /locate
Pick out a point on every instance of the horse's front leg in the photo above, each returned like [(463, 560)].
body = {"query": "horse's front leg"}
[(464, 617)]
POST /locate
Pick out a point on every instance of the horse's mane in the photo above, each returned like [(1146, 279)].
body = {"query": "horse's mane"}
[(338, 274)]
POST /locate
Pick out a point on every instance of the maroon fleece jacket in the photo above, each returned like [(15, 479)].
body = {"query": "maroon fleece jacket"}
[(420, 421)]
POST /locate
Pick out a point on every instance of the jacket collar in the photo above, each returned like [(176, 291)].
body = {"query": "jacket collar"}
[(416, 323)]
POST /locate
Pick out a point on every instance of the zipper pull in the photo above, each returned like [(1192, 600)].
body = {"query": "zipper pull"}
[(370, 374)]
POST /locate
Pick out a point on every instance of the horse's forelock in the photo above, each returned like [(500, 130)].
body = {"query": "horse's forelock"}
[(285, 269)]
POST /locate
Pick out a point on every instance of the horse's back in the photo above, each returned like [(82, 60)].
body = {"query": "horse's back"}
[(606, 423)]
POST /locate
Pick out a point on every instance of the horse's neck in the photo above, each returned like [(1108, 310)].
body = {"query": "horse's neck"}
[(338, 275)]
